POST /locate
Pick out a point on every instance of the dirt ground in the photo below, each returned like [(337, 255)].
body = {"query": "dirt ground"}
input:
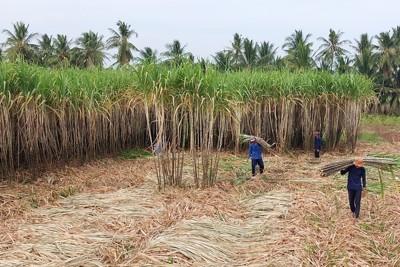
[(110, 213)]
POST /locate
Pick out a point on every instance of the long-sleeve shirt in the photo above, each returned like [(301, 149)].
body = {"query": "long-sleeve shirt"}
[(317, 142), (355, 177), (255, 151)]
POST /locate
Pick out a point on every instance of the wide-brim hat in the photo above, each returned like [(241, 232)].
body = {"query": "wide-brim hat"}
[(358, 162)]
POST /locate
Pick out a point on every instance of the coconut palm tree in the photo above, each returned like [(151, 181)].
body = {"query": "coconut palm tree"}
[(295, 39), (45, 50), (249, 56), (387, 53), (364, 43), (147, 55), (323, 64), (62, 51), (365, 60), (120, 40), (388, 59), (19, 43), (332, 48), (301, 57), (299, 52), (175, 54), (343, 64), (279, 63), (223, 60), (266, 54), (396, 67), (237, 49), (90, 50)]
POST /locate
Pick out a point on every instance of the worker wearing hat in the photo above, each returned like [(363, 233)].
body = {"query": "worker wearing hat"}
[(255, 153), (356, 184)]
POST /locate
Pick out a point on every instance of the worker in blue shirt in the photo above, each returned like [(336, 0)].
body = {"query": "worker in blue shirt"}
[(255, 153), (317, 144), (356, 184)]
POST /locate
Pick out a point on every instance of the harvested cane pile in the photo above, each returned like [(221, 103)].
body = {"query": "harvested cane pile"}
[(244, 138), (381, 163)]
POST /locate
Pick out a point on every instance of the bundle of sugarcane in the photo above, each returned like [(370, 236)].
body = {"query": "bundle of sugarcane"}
[(381, 163), (244, 138)]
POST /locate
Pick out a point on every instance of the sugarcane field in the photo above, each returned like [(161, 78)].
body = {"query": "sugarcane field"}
[(158, 166)]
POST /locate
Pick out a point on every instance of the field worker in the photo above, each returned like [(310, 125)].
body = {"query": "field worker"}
[(255, 154), (356, 183), (317, 144), (157, 149)]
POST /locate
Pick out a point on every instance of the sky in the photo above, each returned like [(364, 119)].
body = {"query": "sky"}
[(205, 26)]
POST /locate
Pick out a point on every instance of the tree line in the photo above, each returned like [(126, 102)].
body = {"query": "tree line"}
[(377, 57)]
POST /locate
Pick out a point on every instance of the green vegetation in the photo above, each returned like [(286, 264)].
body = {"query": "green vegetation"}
[(33, 201), (374, 57), (82, 114), (381, 120), (233, 163), (70, 191), (370, 137), (135, 153), (92, 87)]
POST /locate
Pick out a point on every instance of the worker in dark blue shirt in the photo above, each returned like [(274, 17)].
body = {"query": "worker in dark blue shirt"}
[(317, 144), (356, 184), (255, 153)]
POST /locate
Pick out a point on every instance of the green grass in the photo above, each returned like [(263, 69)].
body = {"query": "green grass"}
[(370, 137), (375, 187), (33, 201), (240, 166), (135, 154), (233, 163), (380, 120), (70, 191), (373, 184)]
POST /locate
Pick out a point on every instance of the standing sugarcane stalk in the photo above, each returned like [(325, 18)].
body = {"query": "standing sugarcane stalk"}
[(394, 178), (381, 182), (56, 116)]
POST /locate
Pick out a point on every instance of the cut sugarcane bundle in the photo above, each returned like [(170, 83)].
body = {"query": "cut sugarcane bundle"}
[(381, 163), (246, 138)]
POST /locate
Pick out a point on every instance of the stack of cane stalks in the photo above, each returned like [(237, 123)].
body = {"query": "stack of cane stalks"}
[(246, 138), (381, 163)]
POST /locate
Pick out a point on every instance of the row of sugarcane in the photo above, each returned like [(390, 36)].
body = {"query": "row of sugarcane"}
[(50, 117), (380, 163)]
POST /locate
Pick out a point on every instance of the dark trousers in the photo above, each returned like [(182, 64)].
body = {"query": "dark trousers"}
[(355, 201), (254, 162), (316, 153)]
